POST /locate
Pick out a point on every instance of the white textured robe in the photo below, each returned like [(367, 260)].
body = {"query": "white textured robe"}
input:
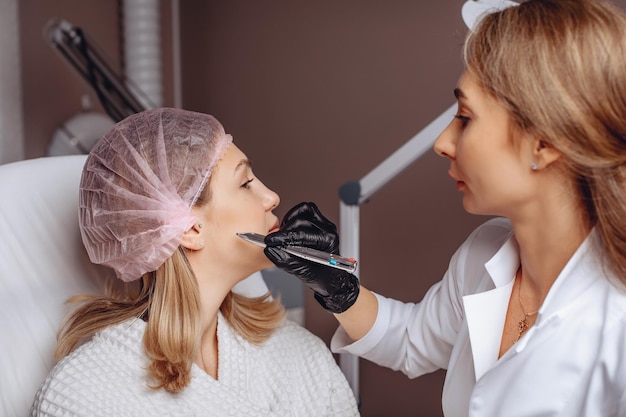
[(291, 374)]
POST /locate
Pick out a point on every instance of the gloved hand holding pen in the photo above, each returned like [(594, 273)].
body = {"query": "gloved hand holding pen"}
[(304, 225)]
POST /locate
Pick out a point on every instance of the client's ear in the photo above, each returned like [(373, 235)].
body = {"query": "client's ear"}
[(192, 238)]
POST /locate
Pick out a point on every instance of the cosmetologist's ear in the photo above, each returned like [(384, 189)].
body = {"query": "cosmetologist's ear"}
[(545, 154)]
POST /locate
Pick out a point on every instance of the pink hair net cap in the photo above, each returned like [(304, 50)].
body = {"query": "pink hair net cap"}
[(139, 183)]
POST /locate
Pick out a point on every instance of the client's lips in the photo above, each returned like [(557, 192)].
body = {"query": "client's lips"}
[(274, 228)]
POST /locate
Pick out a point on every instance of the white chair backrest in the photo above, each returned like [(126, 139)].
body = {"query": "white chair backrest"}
[(42, 263)]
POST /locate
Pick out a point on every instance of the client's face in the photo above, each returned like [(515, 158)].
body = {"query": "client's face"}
[(239, 203)]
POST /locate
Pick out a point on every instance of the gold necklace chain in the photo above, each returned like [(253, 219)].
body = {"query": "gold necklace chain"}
[(522, 326)]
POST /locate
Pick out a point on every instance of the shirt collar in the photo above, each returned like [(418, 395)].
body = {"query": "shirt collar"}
[(504, 264), (580, 272)]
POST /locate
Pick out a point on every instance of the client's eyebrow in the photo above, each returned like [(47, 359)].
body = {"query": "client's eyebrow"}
[(459, 94), (243, 163)]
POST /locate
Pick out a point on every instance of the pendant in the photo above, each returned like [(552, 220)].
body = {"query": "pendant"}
[(522, 326)]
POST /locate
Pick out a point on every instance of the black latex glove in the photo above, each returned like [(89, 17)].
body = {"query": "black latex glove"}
[(304, 225)]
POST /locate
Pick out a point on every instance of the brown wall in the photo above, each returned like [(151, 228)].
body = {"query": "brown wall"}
[(316, 93), (53, 90), (319, 93)]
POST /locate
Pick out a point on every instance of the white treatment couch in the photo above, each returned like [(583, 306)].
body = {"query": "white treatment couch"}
[(42, 263)]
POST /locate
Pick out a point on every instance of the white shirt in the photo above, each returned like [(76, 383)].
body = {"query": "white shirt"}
[(571, 362), (291, 374)]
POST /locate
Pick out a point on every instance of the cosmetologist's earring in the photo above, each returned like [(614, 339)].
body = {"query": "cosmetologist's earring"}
[(199, 225), (534, 166)]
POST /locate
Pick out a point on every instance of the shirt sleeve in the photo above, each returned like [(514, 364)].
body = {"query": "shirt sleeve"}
[(418, 338), (402, 328)]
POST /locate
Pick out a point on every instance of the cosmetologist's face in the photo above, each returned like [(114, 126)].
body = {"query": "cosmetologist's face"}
[(485, 162)]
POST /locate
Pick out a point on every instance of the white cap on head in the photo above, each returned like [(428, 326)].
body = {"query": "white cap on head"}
[(473, 10)]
